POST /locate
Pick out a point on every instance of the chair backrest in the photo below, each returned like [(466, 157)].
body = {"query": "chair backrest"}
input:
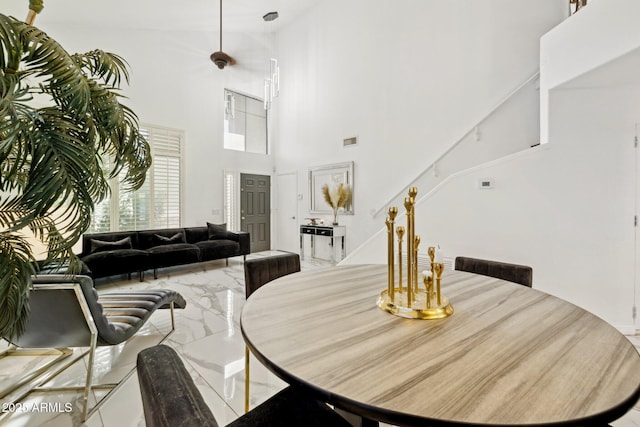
[(65, 309), (169, 395), (516, 273), (59, 313), (259, 271)]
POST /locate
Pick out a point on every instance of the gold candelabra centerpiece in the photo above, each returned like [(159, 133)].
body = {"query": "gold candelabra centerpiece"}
[(406, 297)]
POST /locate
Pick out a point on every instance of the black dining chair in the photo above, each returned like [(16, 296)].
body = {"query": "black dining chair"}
[(516, 273), (66, 312), (170, 398), (258, 272)]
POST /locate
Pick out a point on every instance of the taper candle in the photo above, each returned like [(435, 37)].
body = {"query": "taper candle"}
[(393, 211), (400, 232)]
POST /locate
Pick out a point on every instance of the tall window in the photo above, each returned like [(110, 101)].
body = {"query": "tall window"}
[(157, 203), (245, 123)]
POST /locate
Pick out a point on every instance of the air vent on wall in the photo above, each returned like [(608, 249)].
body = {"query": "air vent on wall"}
[(349, 142)]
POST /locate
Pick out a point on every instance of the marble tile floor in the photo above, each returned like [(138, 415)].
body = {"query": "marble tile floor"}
[(207, 337)]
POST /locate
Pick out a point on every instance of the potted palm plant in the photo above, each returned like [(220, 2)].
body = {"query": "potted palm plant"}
[(60, 115)]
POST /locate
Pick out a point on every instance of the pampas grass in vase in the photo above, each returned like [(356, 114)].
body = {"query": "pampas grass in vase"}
[(337, 197)]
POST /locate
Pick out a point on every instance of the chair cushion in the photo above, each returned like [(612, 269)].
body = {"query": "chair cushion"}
[(120, 315)]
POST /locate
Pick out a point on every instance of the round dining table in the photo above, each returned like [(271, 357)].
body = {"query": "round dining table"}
[(508, 355)]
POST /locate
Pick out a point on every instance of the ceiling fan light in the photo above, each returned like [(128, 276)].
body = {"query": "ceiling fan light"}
[(221, 59)]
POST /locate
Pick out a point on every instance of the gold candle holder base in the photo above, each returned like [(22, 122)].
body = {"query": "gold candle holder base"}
[(418, 310)]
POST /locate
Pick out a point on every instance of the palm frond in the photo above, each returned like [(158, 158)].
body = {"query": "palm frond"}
[(46, 59), (108, 67), (51, 174), (16, 269), (59, 162), (9, 40)]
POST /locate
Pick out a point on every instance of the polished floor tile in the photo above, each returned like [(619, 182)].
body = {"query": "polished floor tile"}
[(207, 337)]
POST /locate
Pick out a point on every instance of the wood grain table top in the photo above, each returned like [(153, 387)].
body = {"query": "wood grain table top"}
[(509, 355)]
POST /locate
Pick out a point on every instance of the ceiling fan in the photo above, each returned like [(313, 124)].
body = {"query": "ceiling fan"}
[(220, 58)]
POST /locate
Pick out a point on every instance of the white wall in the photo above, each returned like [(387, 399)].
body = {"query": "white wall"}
[(174, 84), (565, 208), (597, 34), (408, 78)]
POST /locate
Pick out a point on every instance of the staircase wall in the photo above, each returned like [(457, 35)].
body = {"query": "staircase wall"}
[(565, 208)]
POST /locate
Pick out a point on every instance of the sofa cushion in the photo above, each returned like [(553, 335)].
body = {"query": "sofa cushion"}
[(216, 249), (147, 238), (196, 234), (107, 237), (60, 266), (107, 263), (217, 231), (173, 254), (161, 240), (102, 245)]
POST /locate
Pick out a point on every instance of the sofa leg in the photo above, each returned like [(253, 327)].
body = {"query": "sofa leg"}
[(141, 275), (227, 261), (128, 276), (155, 273)]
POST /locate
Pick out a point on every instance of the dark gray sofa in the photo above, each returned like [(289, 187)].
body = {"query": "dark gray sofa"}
[(107, 254)]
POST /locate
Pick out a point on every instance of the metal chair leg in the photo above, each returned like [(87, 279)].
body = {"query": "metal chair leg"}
[(246, 378), (61, 353), (33, 382)]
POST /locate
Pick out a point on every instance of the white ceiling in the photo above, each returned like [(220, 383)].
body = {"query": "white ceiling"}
[(200, 15)]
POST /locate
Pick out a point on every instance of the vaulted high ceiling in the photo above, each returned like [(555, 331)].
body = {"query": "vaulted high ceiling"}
[(201, 15)]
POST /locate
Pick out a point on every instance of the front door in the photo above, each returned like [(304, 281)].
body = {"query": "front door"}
[(255, 210)]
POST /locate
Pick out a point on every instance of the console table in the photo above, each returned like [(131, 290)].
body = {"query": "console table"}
[(332, 232)]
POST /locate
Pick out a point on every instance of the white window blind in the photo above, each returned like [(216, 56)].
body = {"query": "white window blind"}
[(230, 202), (166, 180), (157, 204)]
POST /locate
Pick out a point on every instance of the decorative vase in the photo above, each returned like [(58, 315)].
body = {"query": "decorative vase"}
[(335, 216)]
